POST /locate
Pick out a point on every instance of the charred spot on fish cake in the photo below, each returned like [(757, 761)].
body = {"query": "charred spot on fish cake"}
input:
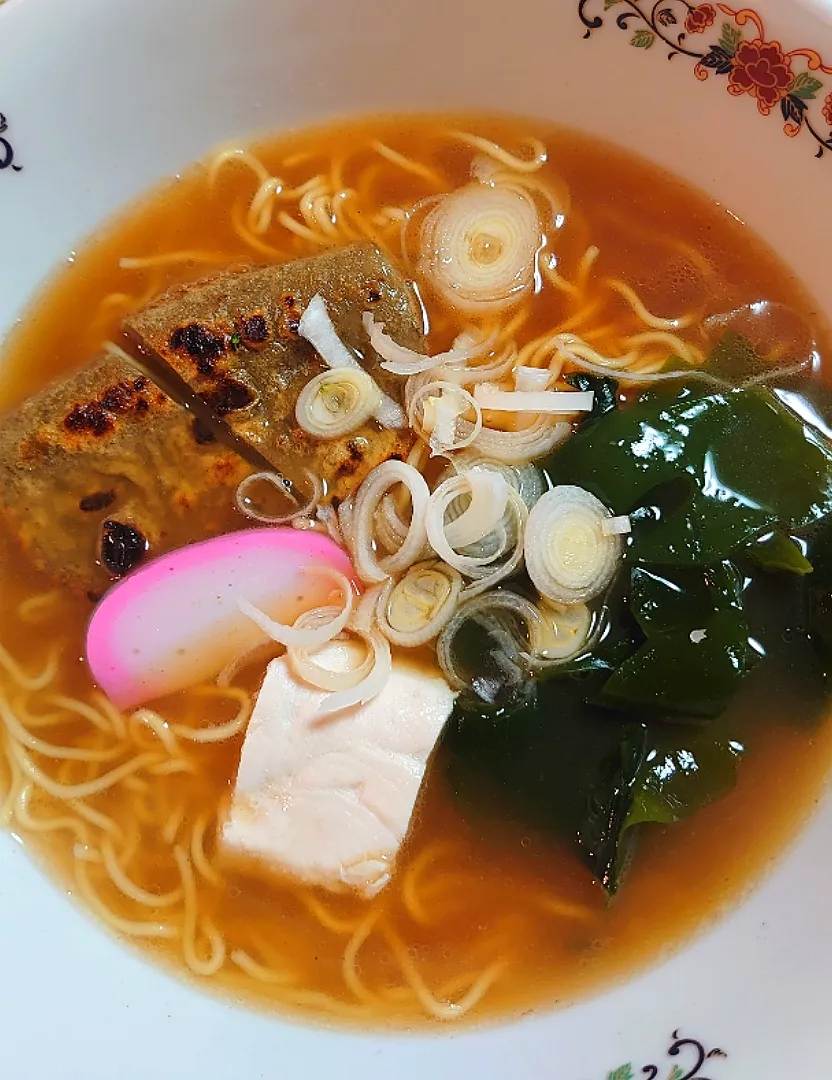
[(98, 417), (276, 369), (202, 432), (67, 461), (254, 330), (356, 448), (100, 500), (90, 418), (229, 396), (288, 316), (201, 343), (122, 547)]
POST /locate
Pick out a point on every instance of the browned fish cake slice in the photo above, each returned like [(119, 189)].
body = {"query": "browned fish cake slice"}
[(234, 340), (103, 469)]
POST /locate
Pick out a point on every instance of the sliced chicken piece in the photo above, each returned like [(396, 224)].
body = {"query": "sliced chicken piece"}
[(329, 800)]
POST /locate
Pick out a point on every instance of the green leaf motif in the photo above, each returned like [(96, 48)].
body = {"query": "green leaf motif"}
[(610, 3), (676, 1073), (625, 1072), (643, 39), (730, 39), (805, 87)]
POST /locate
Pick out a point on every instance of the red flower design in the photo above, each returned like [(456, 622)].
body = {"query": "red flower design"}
[(762, 70), (700, 18), (827, 109)]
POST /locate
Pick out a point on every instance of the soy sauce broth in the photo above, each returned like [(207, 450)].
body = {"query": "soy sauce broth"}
[(467, 896)]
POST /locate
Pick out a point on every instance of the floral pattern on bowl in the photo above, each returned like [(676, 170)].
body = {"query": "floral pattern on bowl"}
[(6, 149), (694, 1058), (755, 66)]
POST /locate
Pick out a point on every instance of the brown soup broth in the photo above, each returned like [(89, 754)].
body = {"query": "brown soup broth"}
[(465, 910)]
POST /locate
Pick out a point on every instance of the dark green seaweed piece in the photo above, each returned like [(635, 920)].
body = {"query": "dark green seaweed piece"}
[(602, 837), (718, 613), (570, 769), (727, 445), (819, 597), (777, 552), (604, 389), (682, 771), (554, 765), (567, 766), (697, 649), (808, 398)]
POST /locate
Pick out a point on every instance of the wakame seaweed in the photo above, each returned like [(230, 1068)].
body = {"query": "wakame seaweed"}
[(724, 599), (605, 391), (750, 463), (697, 647), (588, 759), (565, 766), (776, 551)]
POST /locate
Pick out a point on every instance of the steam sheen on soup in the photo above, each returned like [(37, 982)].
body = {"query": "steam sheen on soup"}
[(394, 690)]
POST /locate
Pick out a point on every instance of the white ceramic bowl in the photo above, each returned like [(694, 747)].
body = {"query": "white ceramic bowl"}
[(101, 99)]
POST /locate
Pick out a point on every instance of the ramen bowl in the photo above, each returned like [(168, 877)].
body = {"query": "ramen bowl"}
[(101, 101)]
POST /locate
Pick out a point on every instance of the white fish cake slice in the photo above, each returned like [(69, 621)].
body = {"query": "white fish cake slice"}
[(329, 800)]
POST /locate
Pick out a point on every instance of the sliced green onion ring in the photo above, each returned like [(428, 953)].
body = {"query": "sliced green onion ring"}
[(562, 632), (337, 402), (368, 565), (319, 330), (413, 610), (491, 611), (479, 246), (569, 556), (442, 406)]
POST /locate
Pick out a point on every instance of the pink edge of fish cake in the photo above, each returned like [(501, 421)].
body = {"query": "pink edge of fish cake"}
[(175, 621)]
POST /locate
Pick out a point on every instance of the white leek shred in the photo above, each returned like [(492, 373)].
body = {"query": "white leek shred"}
[(526, 479), (555, 402), (324, 678), (487, 579), (365, 613), (490, 612), (528, 444), (319, 330), (305, 667), (531, 378), (616, 526), (246, 506), (467, 375), (400, 360), (369, 567), (502, 543), (489, 497), (327, 516), (307, 631), (484, 515), (443, 406), (370, 686)]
